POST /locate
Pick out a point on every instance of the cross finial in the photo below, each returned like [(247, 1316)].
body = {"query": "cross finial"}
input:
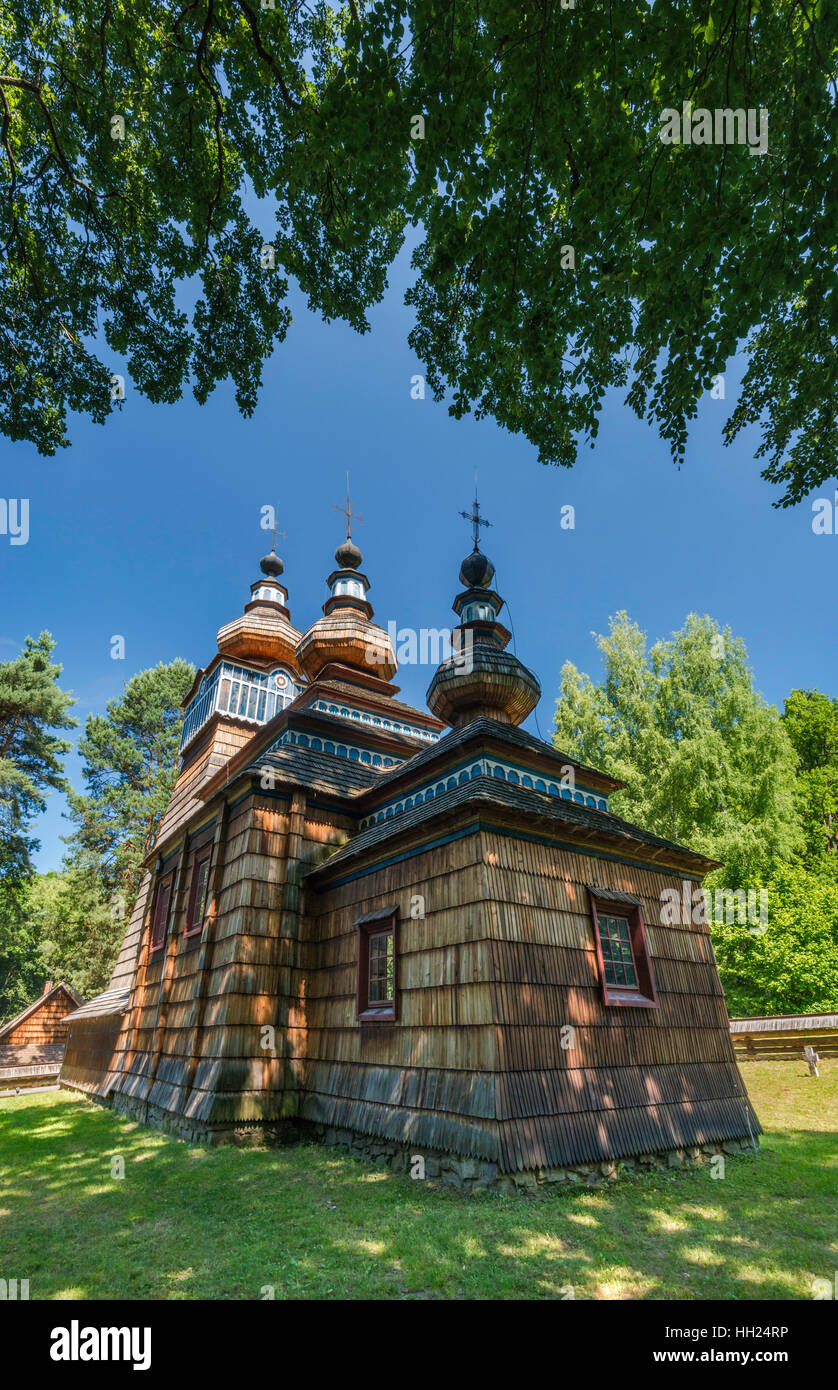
[(348, 512), (475, 518), (274, 532)]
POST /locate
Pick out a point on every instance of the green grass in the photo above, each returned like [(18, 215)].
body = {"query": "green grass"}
[(313, 1223)]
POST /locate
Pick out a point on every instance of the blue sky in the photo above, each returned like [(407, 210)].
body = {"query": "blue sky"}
[(150, 527)]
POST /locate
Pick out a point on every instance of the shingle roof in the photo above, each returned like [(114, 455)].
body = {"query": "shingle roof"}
[(12, 1023), (112, 1001), (321, 772), (784, 1023), (485, 728), (342, 729), (490, 791)]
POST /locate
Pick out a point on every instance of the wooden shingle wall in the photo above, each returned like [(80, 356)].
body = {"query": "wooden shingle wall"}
[(631, 1080), (428, 1077), (197, 1042)]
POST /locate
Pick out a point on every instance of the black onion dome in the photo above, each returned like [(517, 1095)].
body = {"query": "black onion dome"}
[(348, 555), (476, 572), (271, 565)]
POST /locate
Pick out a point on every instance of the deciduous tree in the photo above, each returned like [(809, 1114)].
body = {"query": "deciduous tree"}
[(168, 168)]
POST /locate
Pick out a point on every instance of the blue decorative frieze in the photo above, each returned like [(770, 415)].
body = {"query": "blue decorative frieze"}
[(354, 753), (565, 789), (374, 721)]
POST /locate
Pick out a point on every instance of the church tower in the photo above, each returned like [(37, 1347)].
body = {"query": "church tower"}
[(252, 677), (346, 635), (481, 678)]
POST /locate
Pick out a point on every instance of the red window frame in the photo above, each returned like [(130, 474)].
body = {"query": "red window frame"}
[(198, 893), (160, 921), (369, 931), (643, 995)]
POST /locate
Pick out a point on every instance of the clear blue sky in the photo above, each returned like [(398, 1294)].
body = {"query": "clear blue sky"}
[(149, 527)]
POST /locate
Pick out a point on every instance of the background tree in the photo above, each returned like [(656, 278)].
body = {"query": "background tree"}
[(811, 721), (791, 967), (130, 758), (707, 761), (148, 152), (32, 705), (78, 934)]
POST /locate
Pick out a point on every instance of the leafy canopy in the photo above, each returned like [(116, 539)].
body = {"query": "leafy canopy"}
[(78, 935), (792, 967), (32, 705), (297, 126), (811, 721)]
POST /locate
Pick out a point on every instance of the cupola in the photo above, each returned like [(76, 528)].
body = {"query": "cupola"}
[(481, 678), (264, 632), (346, 633)]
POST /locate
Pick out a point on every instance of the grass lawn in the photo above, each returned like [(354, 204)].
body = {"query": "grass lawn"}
[(312, 1223)]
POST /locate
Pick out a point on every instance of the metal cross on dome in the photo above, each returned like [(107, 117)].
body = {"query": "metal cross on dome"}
[(275, 532), (476, 519), (348, 512)]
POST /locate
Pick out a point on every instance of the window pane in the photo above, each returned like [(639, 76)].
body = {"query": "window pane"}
[(617, 955), (381, 968), (200, 898)]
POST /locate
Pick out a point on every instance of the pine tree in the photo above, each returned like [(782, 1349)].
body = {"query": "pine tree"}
[(32, 705), (130, 764)]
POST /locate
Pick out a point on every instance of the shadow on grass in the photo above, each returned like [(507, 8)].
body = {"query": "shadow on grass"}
[(309, 1222)]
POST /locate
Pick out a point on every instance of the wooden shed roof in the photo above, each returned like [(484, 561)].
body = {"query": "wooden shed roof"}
[(111, 1001)]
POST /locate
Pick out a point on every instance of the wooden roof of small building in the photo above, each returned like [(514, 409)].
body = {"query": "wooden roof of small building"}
[(13, 1023), (784, 1023)]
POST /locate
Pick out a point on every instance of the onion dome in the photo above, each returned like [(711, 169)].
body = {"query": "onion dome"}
[(345, 633), (348, 555), (271, 565), (481, 678), (476, 572), (264, 632)]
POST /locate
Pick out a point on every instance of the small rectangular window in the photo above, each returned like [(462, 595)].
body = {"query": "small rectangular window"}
[(376, 986), (622, 952), (198, 894), (618, 960), (161, 913)]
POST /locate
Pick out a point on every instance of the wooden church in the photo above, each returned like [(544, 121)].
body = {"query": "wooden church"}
[(419, 934)]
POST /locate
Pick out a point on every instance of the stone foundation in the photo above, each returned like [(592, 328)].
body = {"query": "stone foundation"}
[(430, 1165), (466, 1174), (478, 1175), (256, 1133), (600, 1174)]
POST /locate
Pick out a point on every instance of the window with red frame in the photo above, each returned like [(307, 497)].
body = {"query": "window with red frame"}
[(376, 997), (161, 913), (198, 893), (623, 954)]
